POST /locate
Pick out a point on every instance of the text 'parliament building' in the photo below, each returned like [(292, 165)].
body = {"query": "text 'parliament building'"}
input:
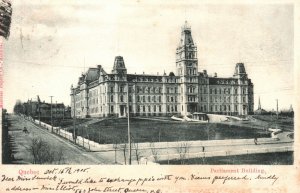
[(102, 94)]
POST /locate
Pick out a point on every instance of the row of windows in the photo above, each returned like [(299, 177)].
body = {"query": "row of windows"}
[(222, 99), (148, 89), (143, 99), (154, 108), (224, 91), (121, 89), (217, 108), (170, 108)]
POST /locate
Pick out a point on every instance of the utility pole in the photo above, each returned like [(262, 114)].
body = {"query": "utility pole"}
[(129, 136), (74, 117), (277, 107), (51, 116)]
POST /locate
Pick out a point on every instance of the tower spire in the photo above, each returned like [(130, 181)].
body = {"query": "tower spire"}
[(259, 106)]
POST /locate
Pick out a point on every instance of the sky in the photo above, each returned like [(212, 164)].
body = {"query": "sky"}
[(52, 42)]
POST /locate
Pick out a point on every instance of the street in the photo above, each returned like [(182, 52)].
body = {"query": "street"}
[(72, 154)]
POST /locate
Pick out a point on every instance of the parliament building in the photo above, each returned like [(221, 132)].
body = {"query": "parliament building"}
[(102, 94)]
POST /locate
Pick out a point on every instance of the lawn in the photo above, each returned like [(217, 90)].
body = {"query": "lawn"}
[(64, 122), (286, 123), (115, 130), (280, 158)]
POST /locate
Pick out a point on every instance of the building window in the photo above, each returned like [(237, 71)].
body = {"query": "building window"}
[(149, 109), (121, 89), (159, 98), (159, 108), (149, 99), (112, 98), (144, 100), (154, 108), (168, 108), (175, 108), (121, 98), (130, 98), (144, 109), (111, 109), (112, 89), (138, 98)]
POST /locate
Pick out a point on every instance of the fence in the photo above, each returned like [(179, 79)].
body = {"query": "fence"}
[(177, 156), (172, 146)]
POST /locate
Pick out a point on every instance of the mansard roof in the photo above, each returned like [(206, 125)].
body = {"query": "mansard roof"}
[(92, 75)]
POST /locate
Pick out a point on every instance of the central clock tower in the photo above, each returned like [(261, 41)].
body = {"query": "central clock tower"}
[(187, 69)]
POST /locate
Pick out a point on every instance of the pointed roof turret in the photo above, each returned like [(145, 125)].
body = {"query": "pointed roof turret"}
[(119, 66), (240, 71)]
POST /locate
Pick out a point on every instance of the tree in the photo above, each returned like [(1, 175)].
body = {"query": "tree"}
[(154, 151), (124, 148), (115, 146), (136, 151), (182, 149), (19, 107), (44, 153)]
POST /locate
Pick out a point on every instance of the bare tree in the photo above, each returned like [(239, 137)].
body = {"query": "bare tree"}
[(183, 149), (154, 151), (42, 152), (115, 146), (136, 151), (124, 149)]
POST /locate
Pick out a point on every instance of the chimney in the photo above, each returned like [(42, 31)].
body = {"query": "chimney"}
[(215, 75)]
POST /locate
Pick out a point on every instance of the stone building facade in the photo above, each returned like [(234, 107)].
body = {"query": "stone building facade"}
[(102, 94)]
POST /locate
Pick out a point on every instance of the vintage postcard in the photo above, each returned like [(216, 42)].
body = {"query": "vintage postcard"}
[(149, 96)]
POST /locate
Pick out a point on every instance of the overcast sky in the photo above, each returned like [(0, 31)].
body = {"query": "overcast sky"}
[(51, 44)]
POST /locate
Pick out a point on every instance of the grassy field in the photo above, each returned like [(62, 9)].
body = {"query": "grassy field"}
[(281, 158), (64, 122), (115, 130), (286, 123)]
